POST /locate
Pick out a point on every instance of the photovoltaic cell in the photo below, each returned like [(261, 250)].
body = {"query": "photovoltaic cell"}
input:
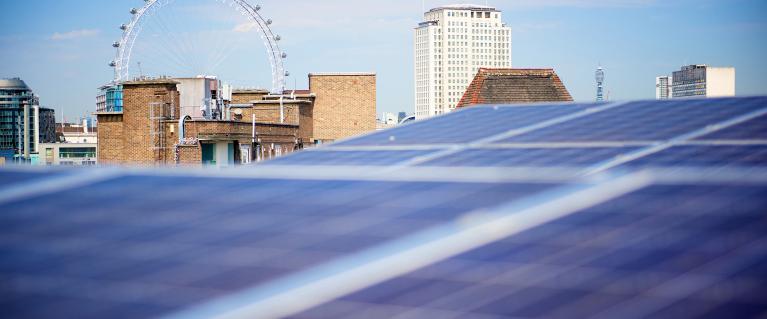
[(755, 129), (466, 125), (707, 156), (665, 251), (147, 245), (530, 157), (646, 121), (329, 156)]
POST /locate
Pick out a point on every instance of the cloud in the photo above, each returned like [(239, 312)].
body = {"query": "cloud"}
[(76, 34), (244, 27)]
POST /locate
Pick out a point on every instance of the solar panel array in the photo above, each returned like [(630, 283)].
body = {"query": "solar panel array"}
[(441, 218), (646, 133)]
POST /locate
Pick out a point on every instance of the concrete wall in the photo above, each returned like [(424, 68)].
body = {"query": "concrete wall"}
[(720, 82), (345, 105)]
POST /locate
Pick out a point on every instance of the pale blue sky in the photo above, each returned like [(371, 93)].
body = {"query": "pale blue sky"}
[(61, 48)]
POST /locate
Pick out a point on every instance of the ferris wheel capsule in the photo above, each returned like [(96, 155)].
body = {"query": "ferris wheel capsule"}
[(258, 7), (268, 22), (133, 11), (277, 38), (113, 64), (284, 55), (116, 44), (123, 27)]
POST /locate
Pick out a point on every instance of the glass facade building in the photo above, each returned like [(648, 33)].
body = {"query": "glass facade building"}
[(110, 99), (14, 96), (689, 81)]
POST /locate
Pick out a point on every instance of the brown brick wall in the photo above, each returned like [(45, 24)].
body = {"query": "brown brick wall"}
[(268, 113), (130, 141), (190, 155), (245, 97), (345, 105), (280, 135), (306, 123), (126, 138), (110, 139)]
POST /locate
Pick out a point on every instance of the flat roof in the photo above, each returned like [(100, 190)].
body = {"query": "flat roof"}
[(464, 6), (342, 74)]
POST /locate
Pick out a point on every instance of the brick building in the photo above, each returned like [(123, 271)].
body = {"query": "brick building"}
[(336, 106), (345, 105), (515, 86), (148, 131)]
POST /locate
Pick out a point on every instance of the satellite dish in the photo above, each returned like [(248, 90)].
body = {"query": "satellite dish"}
[(238, 111)]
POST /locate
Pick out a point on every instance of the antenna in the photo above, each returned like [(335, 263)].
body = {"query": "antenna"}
[(140, 72)]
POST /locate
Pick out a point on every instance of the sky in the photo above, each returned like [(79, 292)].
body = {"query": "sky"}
[(62, 48)]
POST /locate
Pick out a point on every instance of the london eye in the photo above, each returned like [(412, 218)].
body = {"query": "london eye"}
[(167, 46)]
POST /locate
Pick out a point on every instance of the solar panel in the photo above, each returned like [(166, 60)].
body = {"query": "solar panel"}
[(755, 129), (529, 157), (596, 137), (466, 125), (708, 156), (464, 221), (343, 157), (102, 242), (703, 254), (646, 121)]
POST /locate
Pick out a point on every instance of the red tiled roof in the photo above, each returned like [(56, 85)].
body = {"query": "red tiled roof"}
[(509, 86)]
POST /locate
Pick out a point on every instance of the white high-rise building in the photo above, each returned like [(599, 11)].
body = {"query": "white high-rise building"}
[(702, 80), (451, 45), (697, 80), (663, 87)]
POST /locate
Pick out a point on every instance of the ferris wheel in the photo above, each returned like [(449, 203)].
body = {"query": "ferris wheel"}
[(131, 30)]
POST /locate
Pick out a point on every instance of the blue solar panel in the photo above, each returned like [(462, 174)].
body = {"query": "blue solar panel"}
[(164, 243), (19, 176), (671, 243), (665, 251), (330, 156), (646, 121), (755, 129), (530, 157), (466, 125), (711, 156)]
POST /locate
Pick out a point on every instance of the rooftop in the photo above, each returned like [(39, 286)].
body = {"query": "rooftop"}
[(342, 74), (13, 83), (502, 86), (464, 6)]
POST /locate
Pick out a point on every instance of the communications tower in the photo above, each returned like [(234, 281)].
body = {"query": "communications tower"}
[(600, 76)]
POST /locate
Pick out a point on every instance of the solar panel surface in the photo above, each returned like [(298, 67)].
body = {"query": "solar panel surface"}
[(754, 129), (530, 157), (452, 223), (114, 244), (646, 121), (466, 125), (707, 156), (663, 251)]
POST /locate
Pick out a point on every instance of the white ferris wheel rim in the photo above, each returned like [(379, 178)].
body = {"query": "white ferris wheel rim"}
[(131, 31)]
